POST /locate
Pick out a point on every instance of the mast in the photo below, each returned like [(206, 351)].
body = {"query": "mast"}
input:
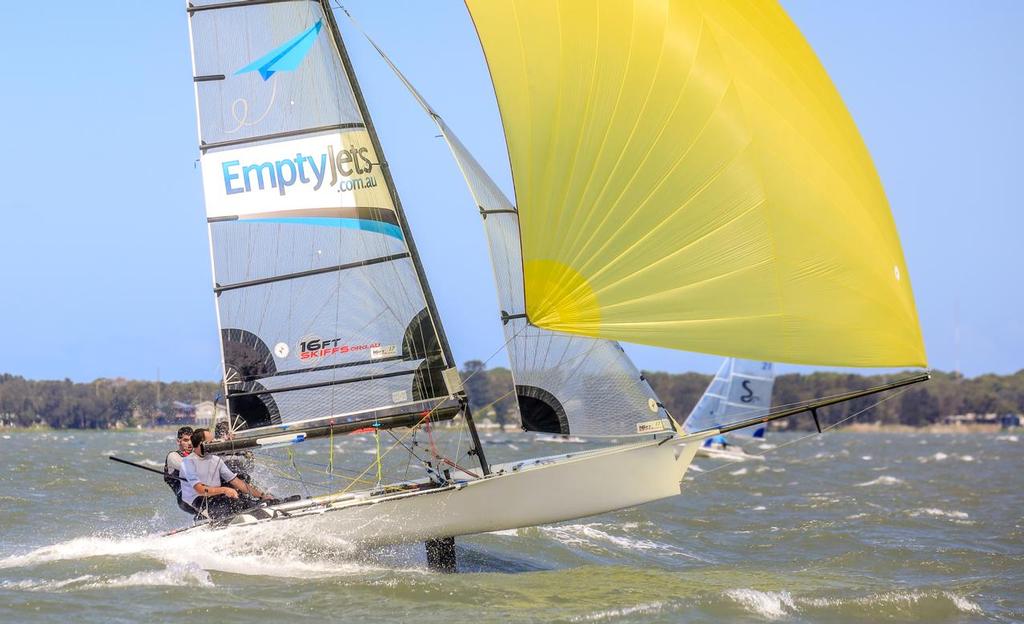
[(332, 26)]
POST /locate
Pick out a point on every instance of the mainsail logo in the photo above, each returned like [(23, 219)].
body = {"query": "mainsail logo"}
[(285, 57), (313, 348), (329, 170), (335, 167)]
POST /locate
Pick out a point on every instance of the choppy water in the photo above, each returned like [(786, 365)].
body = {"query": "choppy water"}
[(842, 527)]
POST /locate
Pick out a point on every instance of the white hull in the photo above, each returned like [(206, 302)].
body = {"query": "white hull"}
[(521, 494)]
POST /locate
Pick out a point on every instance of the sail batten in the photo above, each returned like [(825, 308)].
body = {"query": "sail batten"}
[(310, 272), (321, 384), (280, 135), (195, 6), (676, 161)]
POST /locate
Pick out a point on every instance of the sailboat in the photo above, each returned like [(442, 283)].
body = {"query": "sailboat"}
[(685, 176), (739, 390)]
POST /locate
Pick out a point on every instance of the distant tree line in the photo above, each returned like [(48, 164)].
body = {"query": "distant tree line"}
[(106, 402), (100, 404)]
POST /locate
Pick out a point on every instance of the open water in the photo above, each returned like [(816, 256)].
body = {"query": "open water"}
[(837, 528)]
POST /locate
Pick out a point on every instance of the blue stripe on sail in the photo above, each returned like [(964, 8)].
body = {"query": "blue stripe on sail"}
[(366, 225)]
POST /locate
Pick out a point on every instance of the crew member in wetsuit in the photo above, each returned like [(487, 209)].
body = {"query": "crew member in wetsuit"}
[(172, 466), (205, 476)]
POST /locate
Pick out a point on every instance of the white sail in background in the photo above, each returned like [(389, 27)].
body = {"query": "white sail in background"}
[(565, 384), (323, 309), (741, 389)]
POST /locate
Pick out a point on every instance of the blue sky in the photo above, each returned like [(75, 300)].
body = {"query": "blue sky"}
[(104, 265)]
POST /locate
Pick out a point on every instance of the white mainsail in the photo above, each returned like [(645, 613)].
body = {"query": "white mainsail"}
[(324, 311)]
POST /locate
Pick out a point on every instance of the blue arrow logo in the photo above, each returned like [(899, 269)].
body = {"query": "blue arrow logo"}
[(287, 56)]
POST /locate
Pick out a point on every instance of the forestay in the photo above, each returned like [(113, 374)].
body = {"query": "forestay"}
[(564, 384), (741, 389), (323, 310), (687, 176)]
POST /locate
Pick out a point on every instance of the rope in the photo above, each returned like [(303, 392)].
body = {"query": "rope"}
[(441, 458), (426, 419), (330, 454), (317, 484), (291, 456), (334, 472), (376, 437)]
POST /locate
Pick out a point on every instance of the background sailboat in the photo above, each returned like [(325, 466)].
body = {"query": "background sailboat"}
[(739, 390)]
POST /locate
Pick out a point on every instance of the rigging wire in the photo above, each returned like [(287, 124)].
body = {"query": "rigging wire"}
[(318, 484), (272, 463), (333, 470), (291, 456), (376, 438), (425, 418), (330, 455)]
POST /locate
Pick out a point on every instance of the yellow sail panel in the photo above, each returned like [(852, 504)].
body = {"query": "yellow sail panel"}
[(688, 177)]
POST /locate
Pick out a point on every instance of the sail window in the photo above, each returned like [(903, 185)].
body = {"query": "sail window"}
[(541, 411)]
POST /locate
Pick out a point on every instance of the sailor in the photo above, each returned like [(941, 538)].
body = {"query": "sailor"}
[(172, 466), (205, 478), (719, 440)]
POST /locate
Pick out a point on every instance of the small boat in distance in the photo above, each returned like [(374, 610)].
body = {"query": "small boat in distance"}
[(740, 390)]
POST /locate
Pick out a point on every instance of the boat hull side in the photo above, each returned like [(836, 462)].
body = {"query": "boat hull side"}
[(537, 492)]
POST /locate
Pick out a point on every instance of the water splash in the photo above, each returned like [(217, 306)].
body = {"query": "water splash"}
[(767, 604), (615, 614), (262, 550), (931, 511), (775, 605), (882, 480), (596, 535)]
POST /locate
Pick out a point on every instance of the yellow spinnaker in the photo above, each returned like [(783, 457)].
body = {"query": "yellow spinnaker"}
[(687, 177)]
